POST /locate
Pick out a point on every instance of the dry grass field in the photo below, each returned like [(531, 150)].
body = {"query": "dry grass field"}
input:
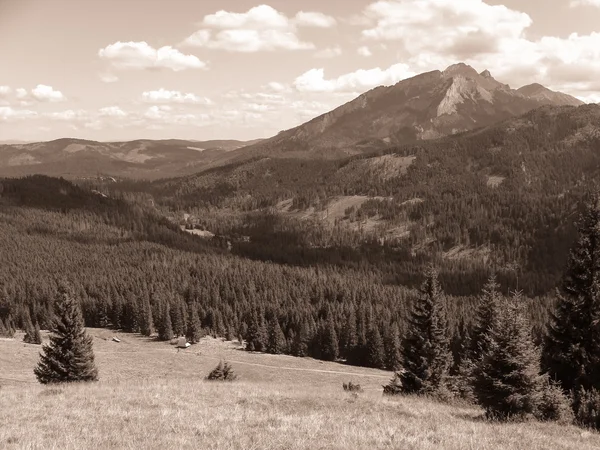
[(152, 397)]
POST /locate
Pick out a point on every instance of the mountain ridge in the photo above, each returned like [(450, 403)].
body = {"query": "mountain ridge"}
[(427, 106)]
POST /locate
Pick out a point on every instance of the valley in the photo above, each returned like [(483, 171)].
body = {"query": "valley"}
[(334, 251)]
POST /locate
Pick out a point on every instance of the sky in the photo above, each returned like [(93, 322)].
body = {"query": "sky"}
[(113, 70)]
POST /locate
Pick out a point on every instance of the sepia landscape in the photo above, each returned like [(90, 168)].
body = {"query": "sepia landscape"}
[(300, 225)]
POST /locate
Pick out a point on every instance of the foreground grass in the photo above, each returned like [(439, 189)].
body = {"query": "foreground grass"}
[(152, 397)]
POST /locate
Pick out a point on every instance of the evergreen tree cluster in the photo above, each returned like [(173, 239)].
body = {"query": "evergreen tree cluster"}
[(497, 363)]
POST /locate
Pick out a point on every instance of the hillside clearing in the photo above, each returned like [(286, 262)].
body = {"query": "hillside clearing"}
[(151, 396)]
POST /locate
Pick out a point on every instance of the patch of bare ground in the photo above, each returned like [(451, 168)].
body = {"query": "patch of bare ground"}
[(413, 201), (333, 212), (462, 252), (390, 166), (494, 181)]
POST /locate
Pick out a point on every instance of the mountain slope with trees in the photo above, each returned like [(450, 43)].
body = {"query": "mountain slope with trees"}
[(505, 197)]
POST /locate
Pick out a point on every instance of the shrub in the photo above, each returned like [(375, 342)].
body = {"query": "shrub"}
[(394, 387), (223, 372), (351, 387), (587, 408), (554, 405)]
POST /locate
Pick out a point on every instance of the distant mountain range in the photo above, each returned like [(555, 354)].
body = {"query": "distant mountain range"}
[(428, 106), (77, 158)]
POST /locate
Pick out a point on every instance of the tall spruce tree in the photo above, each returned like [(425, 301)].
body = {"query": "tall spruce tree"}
[(145, 319), (571, 348), (375, 349), (425, 350), (69, 356), (194, 327), (257, 336), (301, 340), (474, 344), (391, 344), (165, 329), (277, 343), (329, 348), (507, 380)]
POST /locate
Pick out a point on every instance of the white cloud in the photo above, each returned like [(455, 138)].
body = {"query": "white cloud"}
[(140, 55), (330, 52), (472, 24), (45, 93), (432, 34), (314, 19), (360, 80), (364, 51), (249, 41), (262, 16), (576, 3), (112, 111), (277, 87), (165, 96), (261, 28), (8, 114), (40, 93), (69, 115)]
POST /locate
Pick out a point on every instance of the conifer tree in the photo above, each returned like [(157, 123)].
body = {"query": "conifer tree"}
[(69, 356), (256, 339), (425, 351), (329, 348), (474, 344), (29, 329), (391, 344), (194, 328), (32, 334), (571, 348), (165, 329), (507, 380), (349, 337), (487, 310), (301, 340), (375, 350), (145, 319), (37, 336), (177, 319), (276, 344), (129, 314)]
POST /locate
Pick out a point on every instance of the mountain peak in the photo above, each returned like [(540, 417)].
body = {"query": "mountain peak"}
[(460, 69), (486, 74)]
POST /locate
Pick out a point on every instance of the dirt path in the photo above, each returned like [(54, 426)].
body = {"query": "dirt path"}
[(300, 369)]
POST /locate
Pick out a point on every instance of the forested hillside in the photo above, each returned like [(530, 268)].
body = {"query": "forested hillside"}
[(131, 272), (502, 198)]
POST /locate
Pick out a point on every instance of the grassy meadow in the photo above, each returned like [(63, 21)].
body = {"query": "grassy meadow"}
[(151, 396)]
